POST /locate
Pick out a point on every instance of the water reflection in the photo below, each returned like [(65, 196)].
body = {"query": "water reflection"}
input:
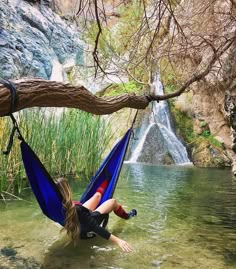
[(186, 219)]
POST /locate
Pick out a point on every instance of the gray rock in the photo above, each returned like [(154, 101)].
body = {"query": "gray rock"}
[(31, 38), (155, 149)]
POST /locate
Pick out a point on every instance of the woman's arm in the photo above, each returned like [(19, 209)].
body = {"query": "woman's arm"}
[(121, 243), (93, 226), (107, 235)]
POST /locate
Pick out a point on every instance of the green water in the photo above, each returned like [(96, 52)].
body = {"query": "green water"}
[(186, 219)]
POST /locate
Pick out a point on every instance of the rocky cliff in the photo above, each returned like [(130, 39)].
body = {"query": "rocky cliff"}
[(211, 103), (33, 38)]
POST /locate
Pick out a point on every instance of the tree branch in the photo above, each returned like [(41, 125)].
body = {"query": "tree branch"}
[(43, 93), (198, 76)]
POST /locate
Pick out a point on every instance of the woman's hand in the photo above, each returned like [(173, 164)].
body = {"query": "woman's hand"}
[(124, 245), (121, 243)]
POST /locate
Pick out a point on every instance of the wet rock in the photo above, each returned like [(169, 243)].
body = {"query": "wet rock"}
[(155, 149), (8, 251), (68, 8), (10, 260)]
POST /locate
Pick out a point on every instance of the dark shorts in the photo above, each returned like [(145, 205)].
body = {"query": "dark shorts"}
[(99, 217)]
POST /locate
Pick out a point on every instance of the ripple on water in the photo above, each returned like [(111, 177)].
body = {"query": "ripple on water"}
[(186, 219)]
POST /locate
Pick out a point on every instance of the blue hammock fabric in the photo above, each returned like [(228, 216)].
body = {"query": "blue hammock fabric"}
[(46, 191), (109, 169), (43, 186)]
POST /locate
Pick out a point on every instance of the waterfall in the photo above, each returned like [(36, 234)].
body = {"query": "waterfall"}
[(160, 117)]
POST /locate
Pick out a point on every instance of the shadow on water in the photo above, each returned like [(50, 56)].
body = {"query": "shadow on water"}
[(186, 219), (91, 253), (85, 255)]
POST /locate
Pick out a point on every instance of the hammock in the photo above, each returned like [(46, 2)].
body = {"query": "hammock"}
[(43, 186), (46, 190)]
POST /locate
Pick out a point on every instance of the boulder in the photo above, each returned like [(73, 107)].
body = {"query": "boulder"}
[(206, 155), (155, 149)]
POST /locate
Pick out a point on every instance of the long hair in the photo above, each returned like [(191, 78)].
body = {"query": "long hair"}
[(71, 222)]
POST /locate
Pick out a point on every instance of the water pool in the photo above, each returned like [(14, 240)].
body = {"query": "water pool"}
[(186, 219)]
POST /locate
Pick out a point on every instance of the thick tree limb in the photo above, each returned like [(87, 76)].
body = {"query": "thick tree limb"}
[(43, 93)]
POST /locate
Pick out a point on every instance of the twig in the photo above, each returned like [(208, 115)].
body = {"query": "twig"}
[(17, 198)]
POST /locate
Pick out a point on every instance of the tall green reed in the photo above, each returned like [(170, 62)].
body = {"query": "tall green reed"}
[(70, 143)]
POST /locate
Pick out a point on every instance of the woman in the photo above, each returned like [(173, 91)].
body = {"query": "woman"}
[(81, 219)]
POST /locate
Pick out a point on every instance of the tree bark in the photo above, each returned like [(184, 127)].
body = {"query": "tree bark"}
[(43, 93)]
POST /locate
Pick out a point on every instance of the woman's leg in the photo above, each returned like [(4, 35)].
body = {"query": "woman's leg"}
[(112, 205), (108, 206), (93, 201)]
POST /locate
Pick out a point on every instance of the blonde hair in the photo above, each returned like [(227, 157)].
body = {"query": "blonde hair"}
[(71, 221)]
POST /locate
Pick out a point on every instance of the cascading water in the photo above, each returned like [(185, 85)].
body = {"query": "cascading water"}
[(161, 119)]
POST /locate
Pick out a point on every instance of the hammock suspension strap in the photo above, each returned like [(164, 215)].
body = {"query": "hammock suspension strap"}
[(132, 125), (14, 100)]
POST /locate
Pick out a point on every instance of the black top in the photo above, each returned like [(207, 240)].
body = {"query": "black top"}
[(90, 222)]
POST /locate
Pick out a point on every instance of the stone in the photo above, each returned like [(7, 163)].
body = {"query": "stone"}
[(196, 127), (234, 168), (234, 147)]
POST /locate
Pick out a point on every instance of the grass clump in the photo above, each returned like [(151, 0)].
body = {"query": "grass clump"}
[(70, 143), (121, 88), (184, 124)]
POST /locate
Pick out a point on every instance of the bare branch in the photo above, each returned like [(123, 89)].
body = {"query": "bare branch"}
[(197, 77)]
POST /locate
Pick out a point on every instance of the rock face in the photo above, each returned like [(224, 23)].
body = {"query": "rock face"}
[(230, 108), (206, 155), (214, 102), (67, 8), (155, 150), (206, 108), (32, 37), (213, 99), (36, 42)]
